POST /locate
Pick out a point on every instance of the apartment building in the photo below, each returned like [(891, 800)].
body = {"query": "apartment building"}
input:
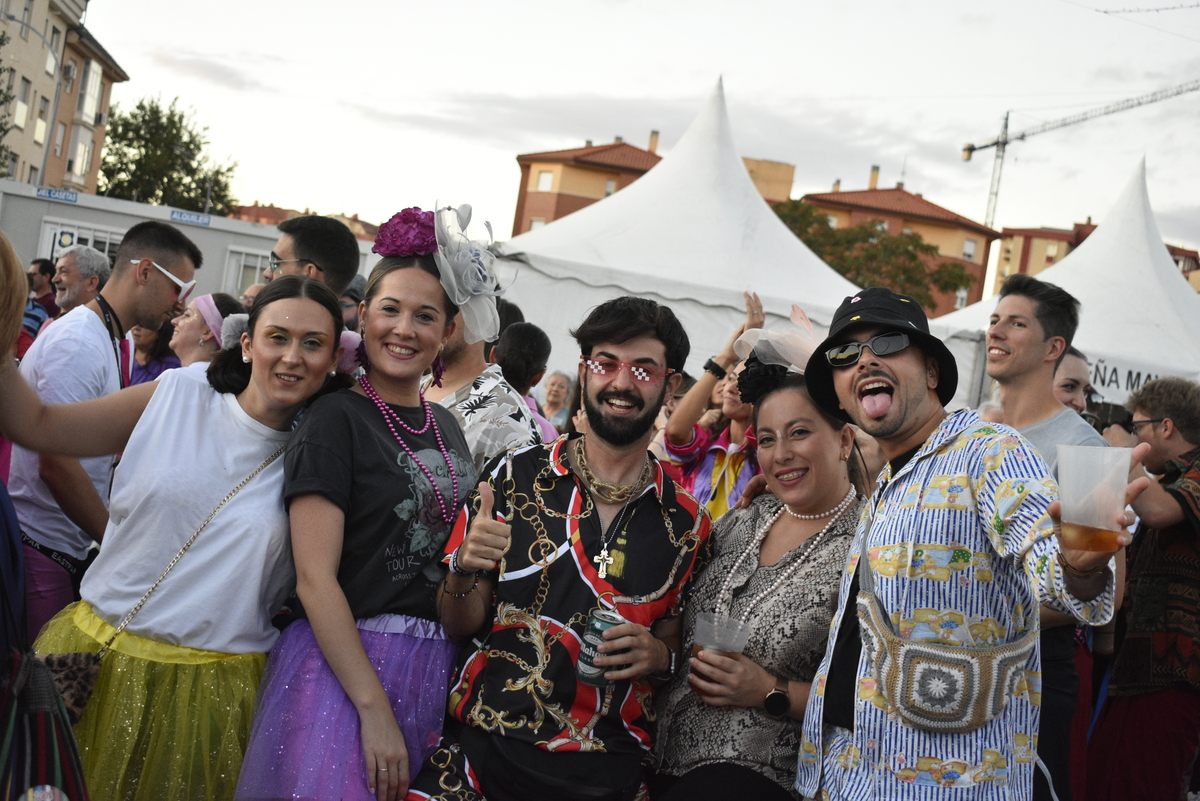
[(558, 182), (1031, 250), (61, 79), (898, 211)]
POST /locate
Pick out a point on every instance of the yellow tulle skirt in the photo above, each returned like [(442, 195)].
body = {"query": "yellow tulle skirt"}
[(165, 722)]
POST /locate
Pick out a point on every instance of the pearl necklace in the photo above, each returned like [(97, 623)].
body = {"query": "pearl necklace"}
[(447, 509), (725, 597), (841, 507)]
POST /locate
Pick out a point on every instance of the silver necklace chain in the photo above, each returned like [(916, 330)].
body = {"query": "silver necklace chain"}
[(725, 597)]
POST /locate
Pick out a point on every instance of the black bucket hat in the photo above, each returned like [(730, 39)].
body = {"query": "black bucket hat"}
[(878, 306)]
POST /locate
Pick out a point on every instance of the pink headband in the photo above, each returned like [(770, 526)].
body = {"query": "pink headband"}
[(212, 317)]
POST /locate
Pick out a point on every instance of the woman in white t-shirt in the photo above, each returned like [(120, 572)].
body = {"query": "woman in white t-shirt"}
[(171, 711)]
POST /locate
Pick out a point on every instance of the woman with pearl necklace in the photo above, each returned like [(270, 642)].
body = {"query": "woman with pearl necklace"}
[(729, 726)]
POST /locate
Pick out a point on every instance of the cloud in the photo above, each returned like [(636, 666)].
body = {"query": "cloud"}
[(1155, 78), (975, 20), (847, 140), (1180, 225), (207, 69), (550, 122)]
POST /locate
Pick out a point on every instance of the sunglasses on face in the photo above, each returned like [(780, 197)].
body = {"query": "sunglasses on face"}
[(881, 345), (646, 373), (182, 288)]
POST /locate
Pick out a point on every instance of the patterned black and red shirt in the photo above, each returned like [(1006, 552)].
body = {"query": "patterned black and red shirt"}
[(518, 680)]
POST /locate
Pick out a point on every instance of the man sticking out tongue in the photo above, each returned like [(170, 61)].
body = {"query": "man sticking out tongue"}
[(951, 562), (876, 399)]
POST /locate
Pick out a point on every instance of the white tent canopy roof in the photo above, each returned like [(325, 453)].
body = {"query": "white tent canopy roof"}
[(1139, 317), (693, 232)]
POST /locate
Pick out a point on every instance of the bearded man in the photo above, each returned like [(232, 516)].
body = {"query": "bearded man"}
[(556, 532)]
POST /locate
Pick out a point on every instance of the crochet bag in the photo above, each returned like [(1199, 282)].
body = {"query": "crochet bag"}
[(949, 689)]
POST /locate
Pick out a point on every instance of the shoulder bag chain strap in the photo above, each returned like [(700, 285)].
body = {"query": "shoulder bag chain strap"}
[(138, 606)]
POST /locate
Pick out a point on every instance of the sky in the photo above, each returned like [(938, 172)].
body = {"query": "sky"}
[(369, 107)]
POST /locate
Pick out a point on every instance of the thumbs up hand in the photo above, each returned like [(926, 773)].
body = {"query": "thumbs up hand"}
[(487, 539)]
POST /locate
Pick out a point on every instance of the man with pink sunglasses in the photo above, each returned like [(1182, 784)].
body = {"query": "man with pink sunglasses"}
[(61, 502), (558, 535)]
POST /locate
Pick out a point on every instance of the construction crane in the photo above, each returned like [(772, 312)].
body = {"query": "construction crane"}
[(1001, 142)]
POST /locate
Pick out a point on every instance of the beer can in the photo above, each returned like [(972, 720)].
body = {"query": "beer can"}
[(585, 669)]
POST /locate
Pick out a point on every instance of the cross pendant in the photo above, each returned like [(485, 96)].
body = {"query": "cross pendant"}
[(604, 560)]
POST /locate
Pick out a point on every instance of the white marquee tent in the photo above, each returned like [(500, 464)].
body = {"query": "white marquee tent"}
[(692, 233), (1140, 318)]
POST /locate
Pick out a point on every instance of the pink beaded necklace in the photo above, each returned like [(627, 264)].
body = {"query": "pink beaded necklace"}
[(448, 511)]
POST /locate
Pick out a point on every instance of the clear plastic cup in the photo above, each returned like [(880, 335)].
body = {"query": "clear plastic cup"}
[(720, 633), (1091, 486)]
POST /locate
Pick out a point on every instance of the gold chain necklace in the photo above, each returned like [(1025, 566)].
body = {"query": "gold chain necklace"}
[(609, 492)]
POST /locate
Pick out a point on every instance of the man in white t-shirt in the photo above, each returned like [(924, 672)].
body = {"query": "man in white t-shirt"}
[(1030, 332), (62, 502)]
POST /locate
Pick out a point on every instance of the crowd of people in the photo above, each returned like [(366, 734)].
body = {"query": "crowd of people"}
[(326, 544)]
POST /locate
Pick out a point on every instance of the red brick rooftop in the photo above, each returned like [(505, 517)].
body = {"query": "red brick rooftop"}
[(899, 201), (617, 155)]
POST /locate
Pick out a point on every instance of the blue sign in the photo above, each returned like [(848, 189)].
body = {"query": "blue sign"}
[(190, 217), (58, 194)]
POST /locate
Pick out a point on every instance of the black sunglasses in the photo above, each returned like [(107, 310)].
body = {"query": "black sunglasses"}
[(881, 345)]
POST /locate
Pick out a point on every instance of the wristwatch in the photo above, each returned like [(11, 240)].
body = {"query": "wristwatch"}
[(777, 703), (717, 370)]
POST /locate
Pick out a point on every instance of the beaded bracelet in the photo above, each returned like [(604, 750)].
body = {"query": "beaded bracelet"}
[(1065, 565), (474, 586)]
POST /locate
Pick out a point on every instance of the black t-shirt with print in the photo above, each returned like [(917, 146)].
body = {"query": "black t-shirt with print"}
[(394, 532)]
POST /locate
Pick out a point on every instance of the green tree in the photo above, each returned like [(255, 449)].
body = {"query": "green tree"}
[(6, 99), (156, 155), (870, 257)]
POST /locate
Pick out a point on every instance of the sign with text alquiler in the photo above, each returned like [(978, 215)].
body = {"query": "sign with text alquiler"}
[(190, 217)]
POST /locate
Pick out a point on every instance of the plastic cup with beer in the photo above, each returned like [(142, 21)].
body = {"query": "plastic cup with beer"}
[(720, 633), (1091, 486)]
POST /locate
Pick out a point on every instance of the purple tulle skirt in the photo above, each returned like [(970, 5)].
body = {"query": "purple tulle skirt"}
[(306, 744)]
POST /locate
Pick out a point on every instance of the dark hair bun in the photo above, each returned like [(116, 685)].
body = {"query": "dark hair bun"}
[(757, 380)]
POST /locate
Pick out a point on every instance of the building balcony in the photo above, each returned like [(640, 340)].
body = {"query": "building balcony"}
[(72, 10)]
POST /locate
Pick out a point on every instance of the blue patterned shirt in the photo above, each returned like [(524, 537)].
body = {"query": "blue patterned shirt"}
[(963, 554)]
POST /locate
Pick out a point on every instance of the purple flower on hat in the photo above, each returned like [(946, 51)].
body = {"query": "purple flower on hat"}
[(409, 233)]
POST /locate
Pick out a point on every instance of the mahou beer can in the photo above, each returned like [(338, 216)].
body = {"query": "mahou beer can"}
[(585, 669)]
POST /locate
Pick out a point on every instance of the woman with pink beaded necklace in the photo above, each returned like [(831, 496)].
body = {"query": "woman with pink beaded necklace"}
[(355, 693)]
